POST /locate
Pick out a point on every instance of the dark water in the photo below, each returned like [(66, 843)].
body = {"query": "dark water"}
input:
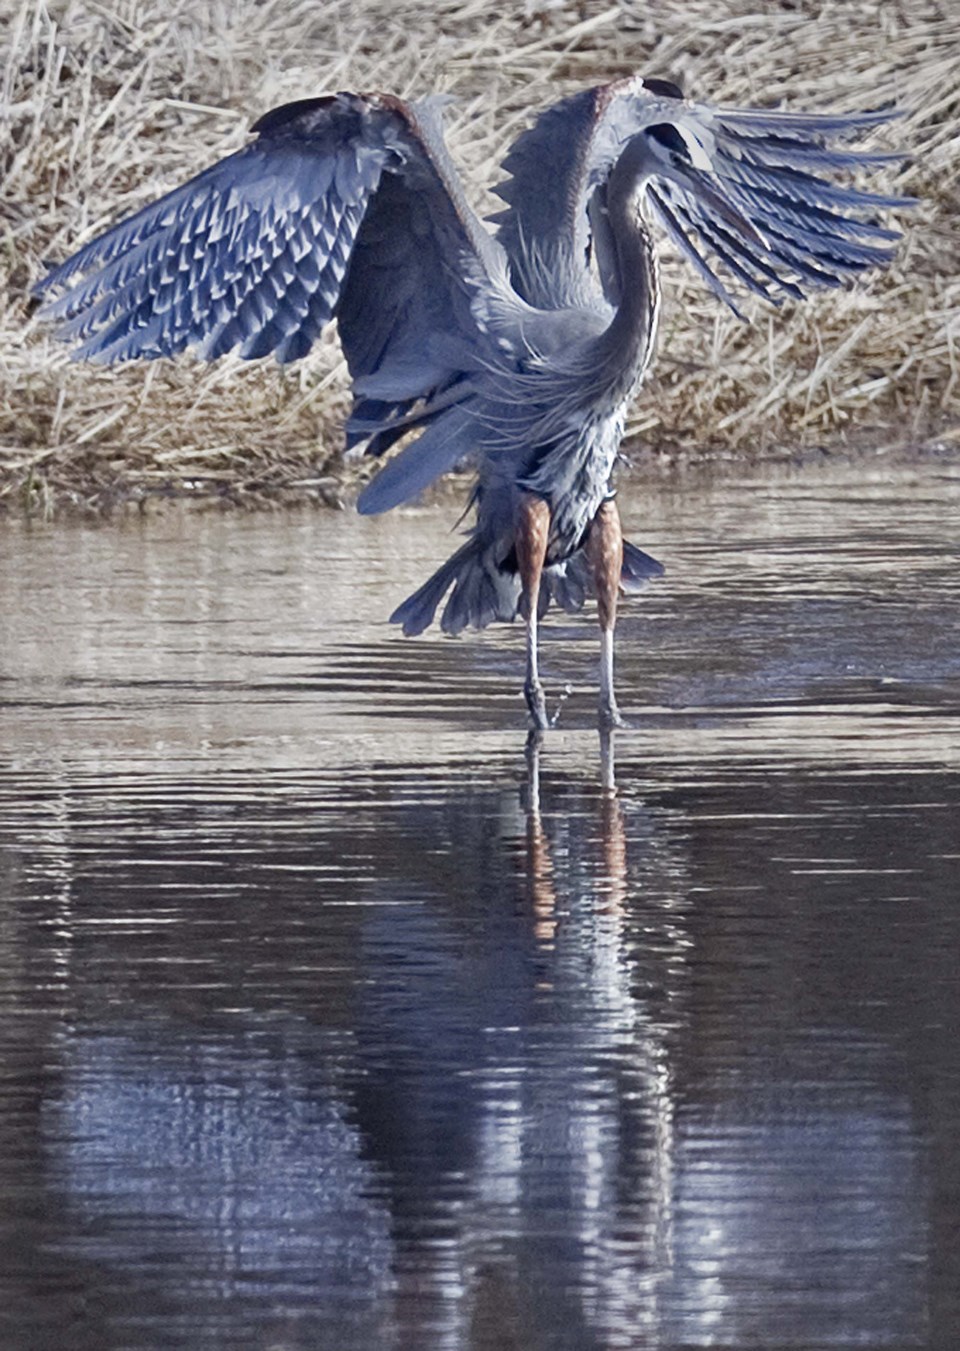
[(329, 1020)]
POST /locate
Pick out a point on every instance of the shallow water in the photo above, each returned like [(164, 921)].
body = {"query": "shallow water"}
[(329, 1019)]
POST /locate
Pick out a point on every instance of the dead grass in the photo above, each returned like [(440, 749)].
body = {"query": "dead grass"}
[(104, 105)]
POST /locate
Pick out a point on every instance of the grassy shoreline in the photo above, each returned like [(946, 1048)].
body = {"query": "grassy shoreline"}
[(106, 106)]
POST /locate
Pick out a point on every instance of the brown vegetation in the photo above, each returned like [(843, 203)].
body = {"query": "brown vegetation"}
[(105, 105)]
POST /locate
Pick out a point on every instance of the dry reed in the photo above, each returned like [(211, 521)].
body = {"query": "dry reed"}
[(105, 105)]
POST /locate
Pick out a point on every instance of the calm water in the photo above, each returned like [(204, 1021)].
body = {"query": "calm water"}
[(328, 1019)]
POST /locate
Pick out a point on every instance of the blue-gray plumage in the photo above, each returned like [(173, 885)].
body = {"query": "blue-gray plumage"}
[(517, 351)]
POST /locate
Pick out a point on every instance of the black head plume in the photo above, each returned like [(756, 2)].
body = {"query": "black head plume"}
[(665, 88)]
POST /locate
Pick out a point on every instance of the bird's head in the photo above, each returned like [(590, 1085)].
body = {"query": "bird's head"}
[(670, 155)]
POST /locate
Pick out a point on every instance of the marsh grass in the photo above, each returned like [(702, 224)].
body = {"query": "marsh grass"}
[(104, 106)]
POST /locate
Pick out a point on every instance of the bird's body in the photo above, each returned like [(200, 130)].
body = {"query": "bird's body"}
[(519, 351)]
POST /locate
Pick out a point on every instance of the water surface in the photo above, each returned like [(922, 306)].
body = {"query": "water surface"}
[(329, 1018)]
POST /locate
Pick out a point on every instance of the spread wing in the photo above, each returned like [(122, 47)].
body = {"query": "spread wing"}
[(344, 207), (777, 170)]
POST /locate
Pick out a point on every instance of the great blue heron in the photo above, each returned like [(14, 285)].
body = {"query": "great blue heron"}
[(517, 350)]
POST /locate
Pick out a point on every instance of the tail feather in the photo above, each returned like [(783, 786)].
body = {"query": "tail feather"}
[(638, 568), (417, 611), (571, 582), (483, 592)]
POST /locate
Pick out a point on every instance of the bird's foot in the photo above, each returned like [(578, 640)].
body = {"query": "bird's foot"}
[(610, 715), (537, 704)]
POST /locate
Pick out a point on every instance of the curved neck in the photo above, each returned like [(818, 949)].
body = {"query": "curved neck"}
[(629, 339)]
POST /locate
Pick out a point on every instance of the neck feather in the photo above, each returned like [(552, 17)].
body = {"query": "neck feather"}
[(628, 342)]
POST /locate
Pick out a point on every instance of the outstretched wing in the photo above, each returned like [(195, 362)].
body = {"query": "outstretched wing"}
[(806, 228), (344, 206)]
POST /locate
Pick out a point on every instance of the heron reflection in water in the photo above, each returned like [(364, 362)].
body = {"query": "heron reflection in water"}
[(503, 1080), (519, 350)]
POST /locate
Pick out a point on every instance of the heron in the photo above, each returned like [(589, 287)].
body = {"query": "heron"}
[(513, 345)]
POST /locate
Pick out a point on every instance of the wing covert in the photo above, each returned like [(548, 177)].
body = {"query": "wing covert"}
[(255, 252), (404, 318)]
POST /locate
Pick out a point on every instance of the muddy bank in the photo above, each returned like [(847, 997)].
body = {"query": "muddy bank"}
[(87, 487)]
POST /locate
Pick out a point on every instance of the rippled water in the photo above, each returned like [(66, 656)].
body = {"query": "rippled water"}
[(329, 1019)]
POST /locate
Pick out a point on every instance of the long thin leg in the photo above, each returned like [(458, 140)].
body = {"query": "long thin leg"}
[(533, 529), (605, 555)]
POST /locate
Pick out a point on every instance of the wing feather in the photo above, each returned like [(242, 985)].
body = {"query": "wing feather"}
[(769, 164), (256, 252), (690, 251), (345, 207)]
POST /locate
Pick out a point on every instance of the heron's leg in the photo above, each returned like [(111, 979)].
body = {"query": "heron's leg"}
[(533, 530), (605, 555)]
